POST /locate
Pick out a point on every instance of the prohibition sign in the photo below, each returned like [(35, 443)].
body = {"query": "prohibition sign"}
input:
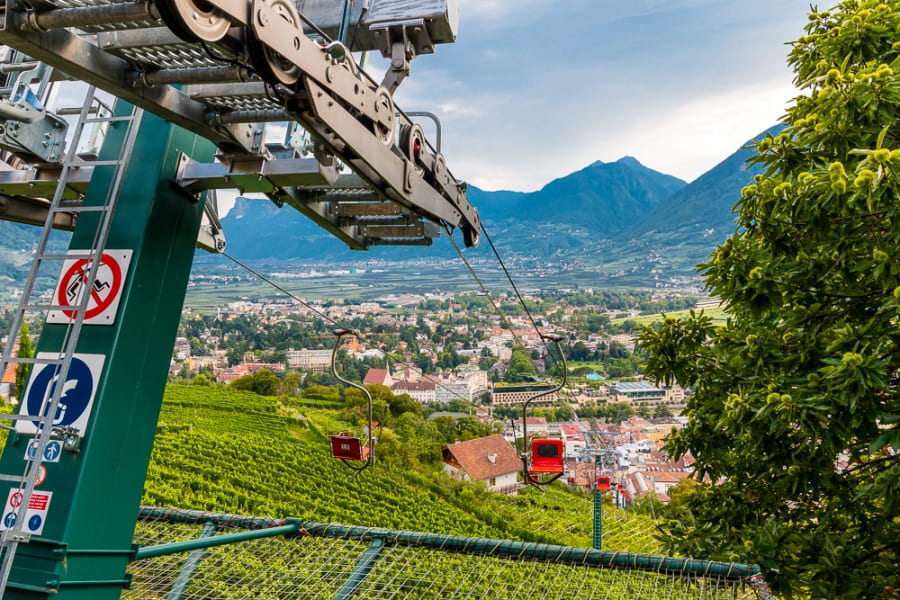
[(105, 289), (104, 293)]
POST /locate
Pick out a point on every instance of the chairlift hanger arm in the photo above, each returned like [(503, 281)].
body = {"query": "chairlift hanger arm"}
[(367, 451), (526, 474)]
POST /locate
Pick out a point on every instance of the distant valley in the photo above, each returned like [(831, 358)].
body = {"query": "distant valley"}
[(618, 223)]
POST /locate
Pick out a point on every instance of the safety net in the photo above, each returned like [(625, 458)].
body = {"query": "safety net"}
[(196, 555)]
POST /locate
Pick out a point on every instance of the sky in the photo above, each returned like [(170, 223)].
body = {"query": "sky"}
[(533, 90)]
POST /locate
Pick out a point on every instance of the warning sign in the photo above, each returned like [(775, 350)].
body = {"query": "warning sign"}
[(35, 514), (76, 394), (41, 475), (104, 294)]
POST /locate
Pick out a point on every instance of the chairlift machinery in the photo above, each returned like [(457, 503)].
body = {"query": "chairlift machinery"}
[(350, 160)]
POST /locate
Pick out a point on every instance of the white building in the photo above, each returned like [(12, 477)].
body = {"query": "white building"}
[(421, 391), (309, 360)]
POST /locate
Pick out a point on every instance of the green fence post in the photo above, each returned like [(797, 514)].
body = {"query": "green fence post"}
[(190, 564), (598, 506)]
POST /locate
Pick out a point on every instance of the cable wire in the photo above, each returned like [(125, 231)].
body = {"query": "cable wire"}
[(521, 300), (337, 324), (281, 289), (503, 318), (515, 289)]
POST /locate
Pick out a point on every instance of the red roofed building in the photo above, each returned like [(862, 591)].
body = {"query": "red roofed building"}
[(662, 481), (537, 425), (572, 438), (489, 459), (247, 368), (378, 377), (8, 381)]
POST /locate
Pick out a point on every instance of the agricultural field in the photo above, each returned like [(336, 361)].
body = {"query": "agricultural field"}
[(716, 314), (222, 450)]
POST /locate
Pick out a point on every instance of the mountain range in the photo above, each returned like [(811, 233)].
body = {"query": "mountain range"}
[(610, 214)]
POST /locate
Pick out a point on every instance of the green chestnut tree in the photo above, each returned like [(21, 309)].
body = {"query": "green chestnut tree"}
[(795, 418)]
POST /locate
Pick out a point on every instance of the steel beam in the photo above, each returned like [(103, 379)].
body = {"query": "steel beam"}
[(215, 540), (32, 211), (253, 175), (82, 60), (40, 182)]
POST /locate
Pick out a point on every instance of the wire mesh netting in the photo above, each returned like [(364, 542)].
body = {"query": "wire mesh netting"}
[(315, 560)]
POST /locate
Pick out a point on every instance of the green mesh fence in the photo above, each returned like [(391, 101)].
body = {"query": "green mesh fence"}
[(318, 560)]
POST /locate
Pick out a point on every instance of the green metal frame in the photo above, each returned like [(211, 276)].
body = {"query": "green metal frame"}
[(448, 543), (86, 543)]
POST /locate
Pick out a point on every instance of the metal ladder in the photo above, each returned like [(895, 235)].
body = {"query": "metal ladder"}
[(25, 482)]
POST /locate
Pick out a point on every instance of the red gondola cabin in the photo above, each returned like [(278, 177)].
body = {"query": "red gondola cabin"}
[(347, 447), (546, 456), (603, 484)]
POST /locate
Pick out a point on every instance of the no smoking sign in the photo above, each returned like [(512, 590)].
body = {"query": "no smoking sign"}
[(103, 295)]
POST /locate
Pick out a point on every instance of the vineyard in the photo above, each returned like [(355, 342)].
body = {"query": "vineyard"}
[(222, 450)]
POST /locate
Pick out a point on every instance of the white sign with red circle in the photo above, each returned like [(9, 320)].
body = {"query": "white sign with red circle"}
[(41, 475), (105, 293), (35, 514)]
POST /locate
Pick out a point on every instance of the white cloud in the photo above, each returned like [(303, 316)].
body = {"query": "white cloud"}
[(695, 136), (479, 10)]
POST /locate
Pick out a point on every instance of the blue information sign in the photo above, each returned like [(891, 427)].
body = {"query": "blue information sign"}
[(75, 397)]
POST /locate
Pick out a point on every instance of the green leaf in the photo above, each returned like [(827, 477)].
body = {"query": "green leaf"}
[(880, 141)]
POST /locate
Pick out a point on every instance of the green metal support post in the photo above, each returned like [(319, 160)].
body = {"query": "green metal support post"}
[(86, 542), (190, 564), (598, 508)]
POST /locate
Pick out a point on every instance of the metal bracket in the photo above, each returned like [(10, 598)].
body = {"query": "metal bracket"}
[(40, 141), (211, 237), (253, 174)]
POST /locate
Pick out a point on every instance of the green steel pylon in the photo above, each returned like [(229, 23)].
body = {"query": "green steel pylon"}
[(85, 544)]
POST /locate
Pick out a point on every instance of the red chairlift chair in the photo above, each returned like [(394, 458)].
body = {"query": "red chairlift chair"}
[(546, 456), (344, 446)]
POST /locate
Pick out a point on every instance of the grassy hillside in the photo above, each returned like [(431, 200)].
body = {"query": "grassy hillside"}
[(219, 449)]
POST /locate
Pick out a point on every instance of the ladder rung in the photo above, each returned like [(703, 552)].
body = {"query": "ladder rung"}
[(78, 208), (108, 119), (63, 256), (20, 417), (33, 361), (95, 163), (46, 307)]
